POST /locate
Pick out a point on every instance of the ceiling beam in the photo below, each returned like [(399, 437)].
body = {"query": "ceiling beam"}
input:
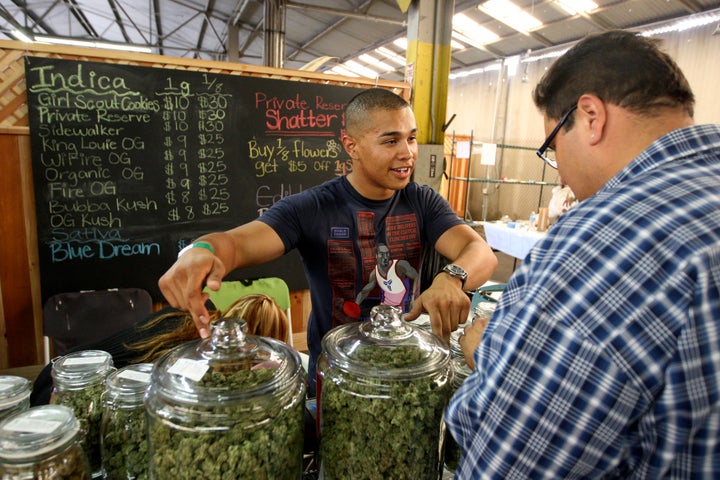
[(343, 18), (691, 5), (158, 27), (118, 20), (81, 18), (203, 26), (38, 21), (346, 13)]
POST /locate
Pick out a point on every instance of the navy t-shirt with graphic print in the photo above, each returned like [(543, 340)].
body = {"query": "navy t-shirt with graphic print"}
[(336, 231)]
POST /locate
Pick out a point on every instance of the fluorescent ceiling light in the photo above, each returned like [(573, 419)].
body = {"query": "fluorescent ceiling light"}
[(468, 30), (456, 45), (544, 56), (510, 14), (475, 71), (573, 7), (401, 43), (22, 36), (370, 60), (390, 55), (682, 25), (92, 44), (339, 70), (459, 37), (361, 70)]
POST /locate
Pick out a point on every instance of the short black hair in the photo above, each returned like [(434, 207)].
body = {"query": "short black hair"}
[(621, 68), (368, 100)]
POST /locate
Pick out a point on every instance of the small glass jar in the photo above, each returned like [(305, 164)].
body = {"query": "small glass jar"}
[(14, 395), (42, 443), (484, 310), (383, 386), (455, 348), (452, 450), (230, 406), (78, 383), (123, 431)]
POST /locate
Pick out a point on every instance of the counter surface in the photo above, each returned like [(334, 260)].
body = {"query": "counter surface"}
[(513, 241)]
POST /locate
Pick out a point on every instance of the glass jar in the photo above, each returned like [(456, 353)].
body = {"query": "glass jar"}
[(123, 431), (14, 395), (383, 386), (484, 310), (228, 406), (78, 383), (455, 349), (42, 443), (452, 450)]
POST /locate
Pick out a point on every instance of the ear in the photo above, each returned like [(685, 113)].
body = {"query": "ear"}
[(349, 144), (592, 116)]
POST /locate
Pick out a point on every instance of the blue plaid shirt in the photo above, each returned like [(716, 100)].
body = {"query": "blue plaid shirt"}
[(603, 357)]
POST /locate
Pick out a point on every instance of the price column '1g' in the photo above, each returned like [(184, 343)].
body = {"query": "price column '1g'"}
[(176, 102)]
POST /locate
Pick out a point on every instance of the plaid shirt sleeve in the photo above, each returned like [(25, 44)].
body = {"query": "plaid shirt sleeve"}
[(603, 357)]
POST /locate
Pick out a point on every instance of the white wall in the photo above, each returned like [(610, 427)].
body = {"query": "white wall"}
[(497, 108)]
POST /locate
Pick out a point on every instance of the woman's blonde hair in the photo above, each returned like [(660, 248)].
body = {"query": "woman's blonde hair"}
[(263, 316)]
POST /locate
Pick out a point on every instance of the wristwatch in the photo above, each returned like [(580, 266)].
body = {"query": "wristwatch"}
[(457, 272)]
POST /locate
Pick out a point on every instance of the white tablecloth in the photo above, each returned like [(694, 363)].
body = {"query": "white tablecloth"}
[(513, 241)]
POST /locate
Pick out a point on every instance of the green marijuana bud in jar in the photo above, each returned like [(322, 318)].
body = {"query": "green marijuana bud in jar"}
[(123, 438), (42, 443), (227, 407), (383, 388), (78, 383)]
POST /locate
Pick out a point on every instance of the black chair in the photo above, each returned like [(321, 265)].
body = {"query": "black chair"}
[(76, 318)]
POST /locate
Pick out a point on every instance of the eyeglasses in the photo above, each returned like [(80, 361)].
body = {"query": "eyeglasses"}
[(546, 145)]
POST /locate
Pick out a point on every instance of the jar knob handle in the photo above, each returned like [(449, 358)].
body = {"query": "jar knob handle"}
[(386, 322), (228, 333)]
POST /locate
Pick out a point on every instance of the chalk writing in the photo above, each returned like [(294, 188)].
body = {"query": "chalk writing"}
[(131, 163)]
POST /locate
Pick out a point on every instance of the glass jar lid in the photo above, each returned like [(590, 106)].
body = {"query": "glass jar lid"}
[(80, 369), (13, 390), (385, 346), (484, 310), (127, 386), (228, 366), (37, 433), (461, 369), (455, 348)]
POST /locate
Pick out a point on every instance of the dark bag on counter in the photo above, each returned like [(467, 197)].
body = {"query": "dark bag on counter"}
[(77, 318)]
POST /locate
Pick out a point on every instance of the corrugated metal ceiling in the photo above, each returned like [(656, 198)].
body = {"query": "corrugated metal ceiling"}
[(334, 28)]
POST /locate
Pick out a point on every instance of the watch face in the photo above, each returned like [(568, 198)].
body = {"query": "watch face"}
[(455, 271)]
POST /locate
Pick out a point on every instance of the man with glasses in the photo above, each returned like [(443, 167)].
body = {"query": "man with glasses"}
[(602, 359)]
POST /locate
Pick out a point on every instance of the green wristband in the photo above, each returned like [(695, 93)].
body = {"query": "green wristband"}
[(197, 244)]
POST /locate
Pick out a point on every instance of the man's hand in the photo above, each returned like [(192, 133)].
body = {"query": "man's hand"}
[(470, 339), (183, 283), (445, 302)]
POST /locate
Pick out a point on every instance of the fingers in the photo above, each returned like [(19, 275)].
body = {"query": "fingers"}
[(444, 321), (183, 283), (471, 337), (446, 316), (469, 360), (199, 313), (469, 341), (480, 323), (214, 279), (416, 310)]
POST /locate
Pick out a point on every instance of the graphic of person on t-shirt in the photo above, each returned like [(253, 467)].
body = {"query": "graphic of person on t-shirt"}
[(390, 275)]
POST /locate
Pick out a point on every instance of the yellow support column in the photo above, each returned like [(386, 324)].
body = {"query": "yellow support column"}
[(428, 65)]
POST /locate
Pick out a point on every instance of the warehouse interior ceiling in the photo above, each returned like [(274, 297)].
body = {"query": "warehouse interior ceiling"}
[(344, 36)]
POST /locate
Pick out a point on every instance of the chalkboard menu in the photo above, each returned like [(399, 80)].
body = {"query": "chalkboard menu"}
[(131, 163)]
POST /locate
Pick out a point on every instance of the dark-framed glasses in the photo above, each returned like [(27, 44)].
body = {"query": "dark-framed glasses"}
[(545, 150)]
